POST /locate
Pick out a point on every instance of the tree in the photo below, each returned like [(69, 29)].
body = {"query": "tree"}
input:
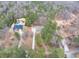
[(30, 18), (2, 21), (10, 19), (51, 27), (48, 30), (7, 20)]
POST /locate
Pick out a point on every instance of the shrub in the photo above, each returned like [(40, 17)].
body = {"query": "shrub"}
[(17, 35), (76, 40), (40, 53), (56, 53), (12, 53), (38, 40)]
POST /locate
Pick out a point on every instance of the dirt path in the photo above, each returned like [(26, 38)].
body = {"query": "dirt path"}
[(27, 40), (10, 39)]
